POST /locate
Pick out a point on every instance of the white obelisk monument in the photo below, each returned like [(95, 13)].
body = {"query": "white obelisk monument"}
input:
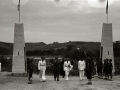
[(18, 64), (107, 41)]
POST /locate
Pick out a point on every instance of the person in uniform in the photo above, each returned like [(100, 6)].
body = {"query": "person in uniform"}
[(42, 68), (67, 68), (89, 70), (81, 67), (56, 69), (30, 71), (110, 68)]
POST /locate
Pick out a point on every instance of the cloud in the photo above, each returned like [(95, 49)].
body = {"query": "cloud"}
[(22, 2), (61, 3), (43, 21), (99, 3)]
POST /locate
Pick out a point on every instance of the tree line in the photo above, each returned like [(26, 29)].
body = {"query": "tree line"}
[(71, 51)]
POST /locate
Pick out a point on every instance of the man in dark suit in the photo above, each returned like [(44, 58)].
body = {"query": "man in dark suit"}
[(30, 71), (56, 69), (62, 72), (105, 69), (89, 70), (110, 68), (99, 68)]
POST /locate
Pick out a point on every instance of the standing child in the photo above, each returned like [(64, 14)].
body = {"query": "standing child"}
[(30, 71)]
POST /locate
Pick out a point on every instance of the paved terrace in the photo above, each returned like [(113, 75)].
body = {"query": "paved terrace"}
[(8, 82)]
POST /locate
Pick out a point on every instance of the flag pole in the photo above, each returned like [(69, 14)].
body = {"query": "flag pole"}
[(107, 17), (19, 11), (107, 10)]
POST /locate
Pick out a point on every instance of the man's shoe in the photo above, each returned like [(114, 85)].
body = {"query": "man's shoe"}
[(66, 78), (29, 82), (83, 78), (111, 80), (41, 80), (105, 79), (89, 83)]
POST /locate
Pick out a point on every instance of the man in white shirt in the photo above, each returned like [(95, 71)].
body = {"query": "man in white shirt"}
[(81, 67), (67, 68), (42, 68)]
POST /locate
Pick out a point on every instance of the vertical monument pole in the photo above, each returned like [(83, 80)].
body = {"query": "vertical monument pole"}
[(107, 43), (18, 64)]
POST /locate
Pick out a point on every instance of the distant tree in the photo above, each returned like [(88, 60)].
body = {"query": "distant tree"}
[(116, 47), (4, 51), (2, 59)]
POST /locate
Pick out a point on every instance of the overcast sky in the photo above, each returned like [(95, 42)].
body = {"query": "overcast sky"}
[(59, 20)]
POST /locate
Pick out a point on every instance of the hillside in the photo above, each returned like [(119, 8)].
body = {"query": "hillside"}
[(85, 45), (92, 46), (5, 45)]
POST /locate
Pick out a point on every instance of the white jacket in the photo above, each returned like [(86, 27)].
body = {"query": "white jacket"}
[(42, 65), (67, 66), (81, 65)]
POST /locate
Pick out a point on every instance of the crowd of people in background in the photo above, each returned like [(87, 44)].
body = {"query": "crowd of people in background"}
[(105, 69), (64, 66)]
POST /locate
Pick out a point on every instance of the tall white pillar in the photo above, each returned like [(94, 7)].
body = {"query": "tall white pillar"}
[(107, 43), (18, 64)]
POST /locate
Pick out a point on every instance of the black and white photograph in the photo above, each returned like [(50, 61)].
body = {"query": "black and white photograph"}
[(59, 44)]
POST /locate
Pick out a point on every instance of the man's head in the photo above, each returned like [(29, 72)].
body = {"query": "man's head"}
[(42, 58), (31, 60), (81, 59), (56, 58), (110, 60)]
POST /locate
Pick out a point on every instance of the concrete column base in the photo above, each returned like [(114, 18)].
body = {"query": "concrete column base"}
[(20, 74)]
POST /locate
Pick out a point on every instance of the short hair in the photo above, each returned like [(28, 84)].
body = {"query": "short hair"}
[(56, 57), (42, 57), (110, 60), (31, 60)]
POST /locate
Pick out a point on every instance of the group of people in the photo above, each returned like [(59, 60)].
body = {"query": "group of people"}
[(105, 69), (65, 66), (58, 66)]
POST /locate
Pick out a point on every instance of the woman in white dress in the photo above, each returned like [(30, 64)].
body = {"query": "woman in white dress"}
[(67, 68), (42, 68)]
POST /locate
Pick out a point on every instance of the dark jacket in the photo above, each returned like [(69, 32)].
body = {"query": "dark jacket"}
[(56, 65), (89, 66)]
